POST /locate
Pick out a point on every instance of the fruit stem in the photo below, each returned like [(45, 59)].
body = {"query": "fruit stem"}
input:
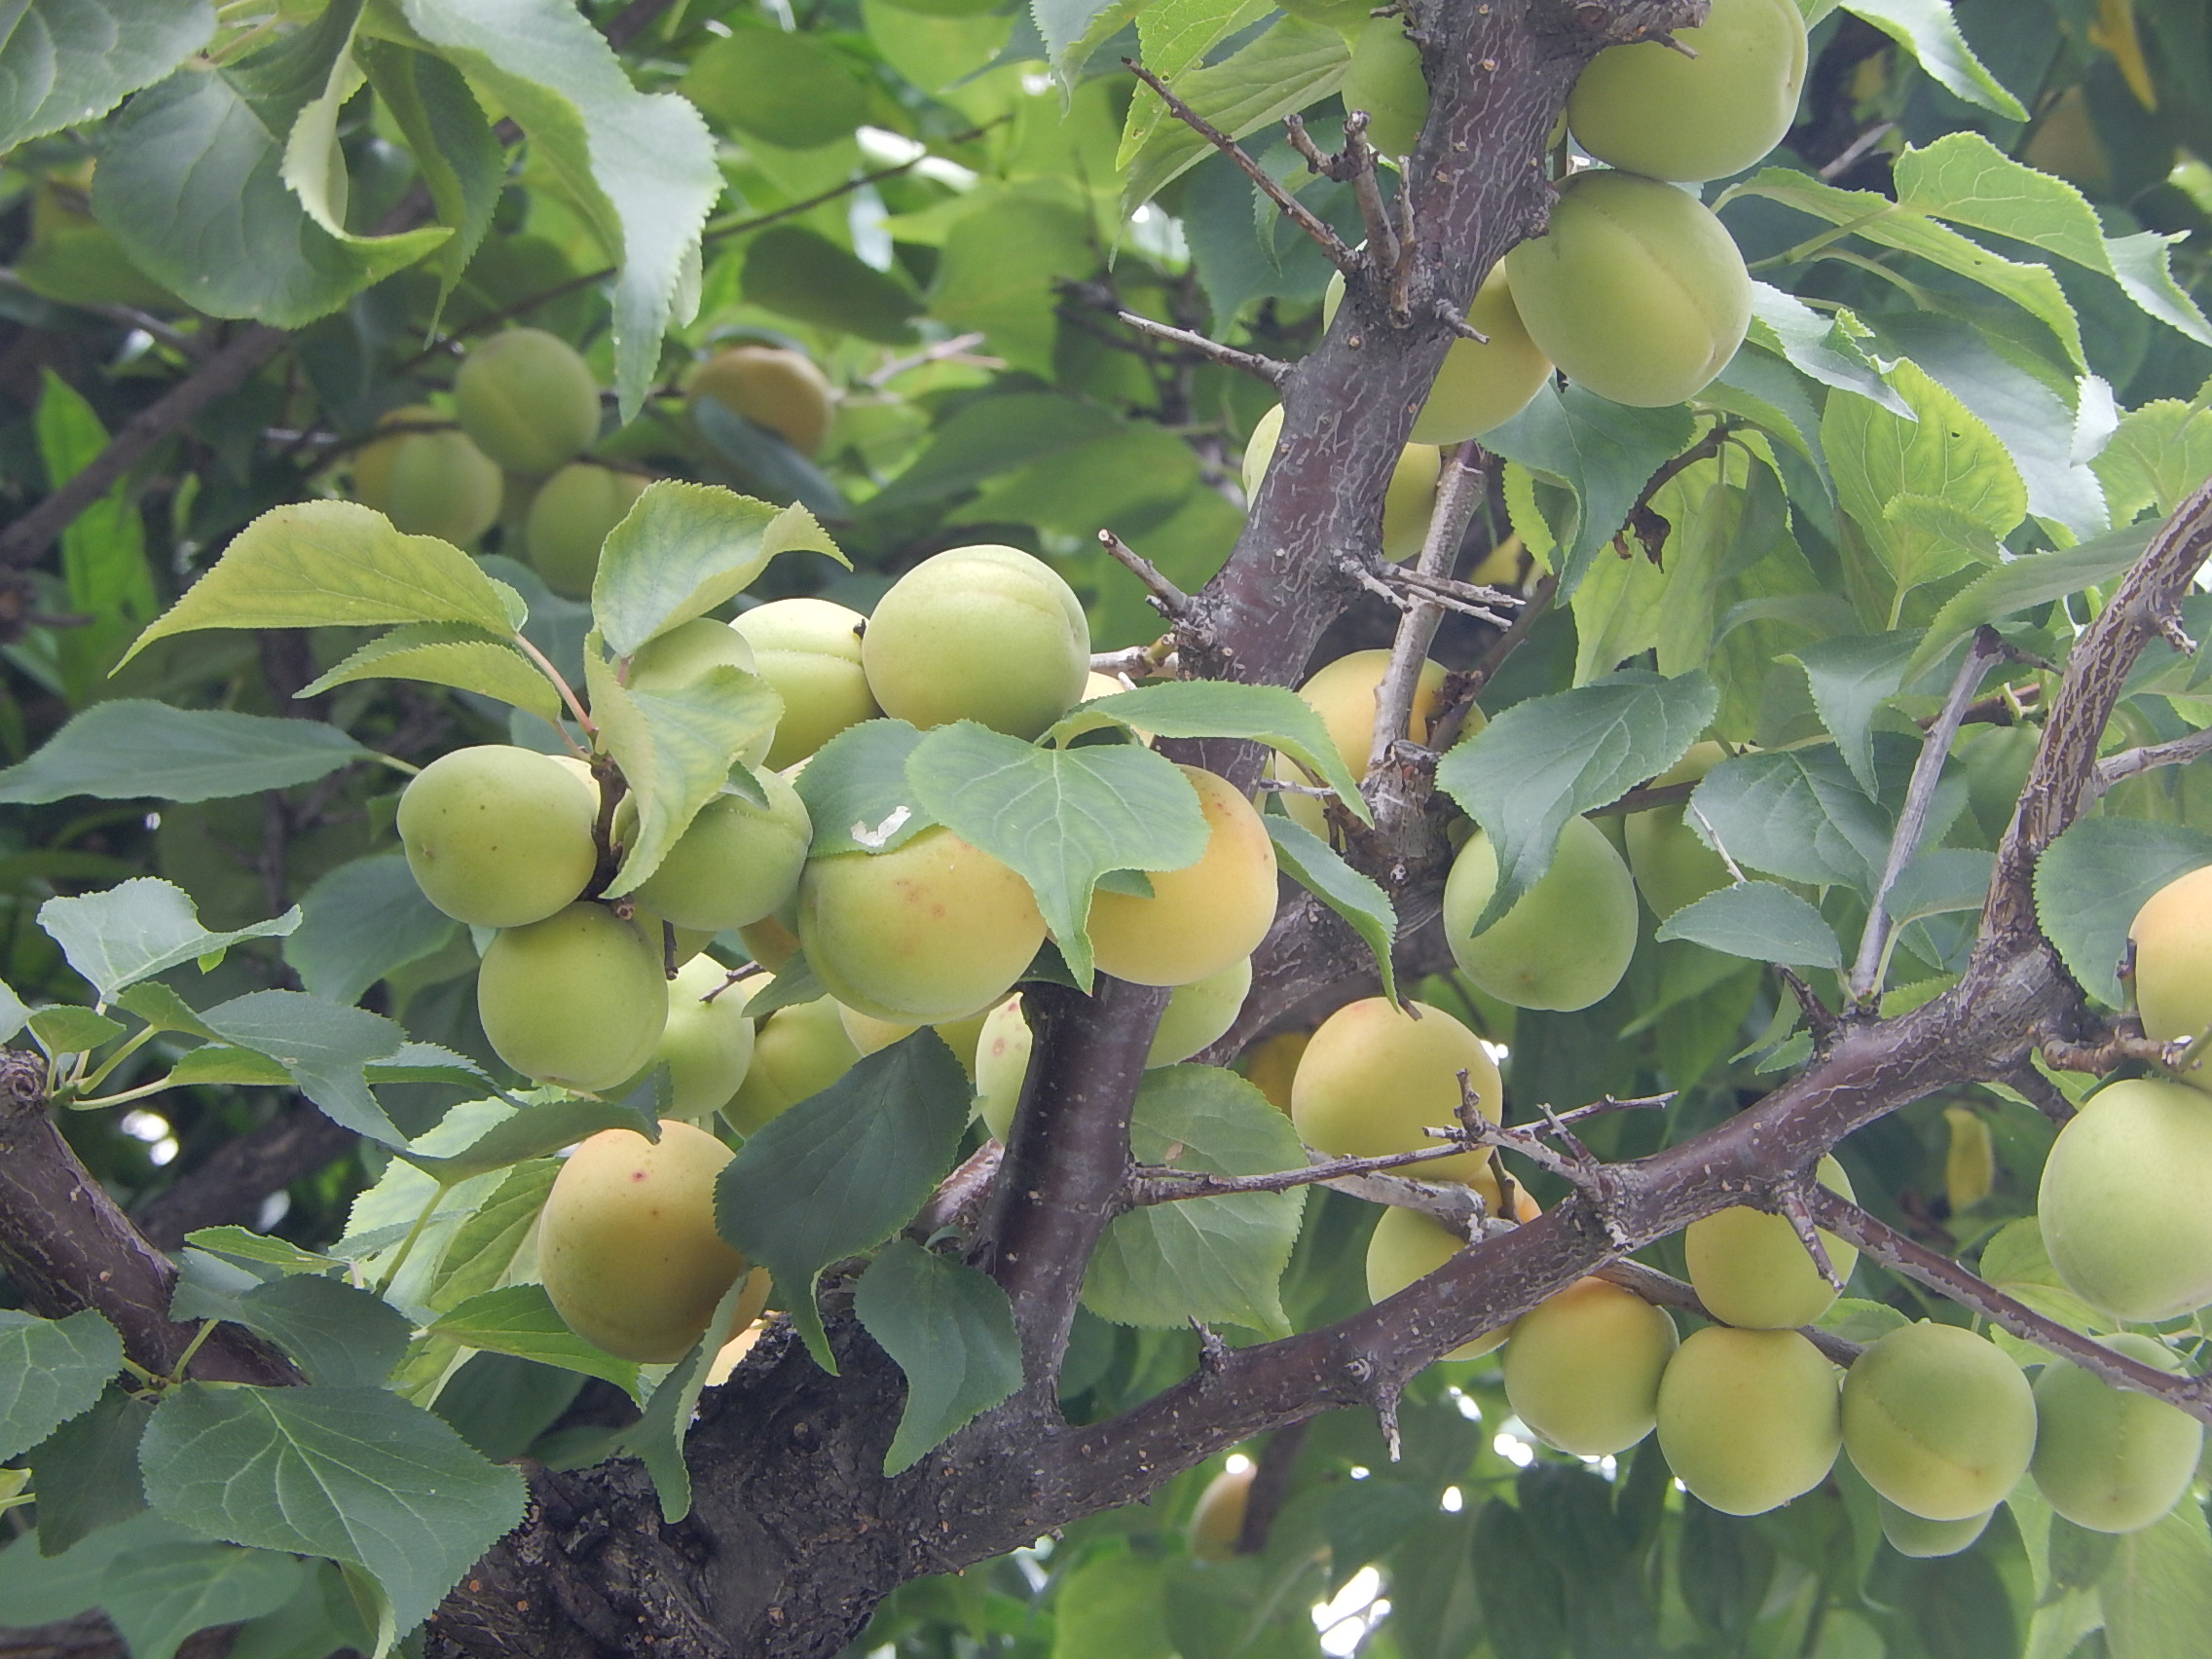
[(567, 693)]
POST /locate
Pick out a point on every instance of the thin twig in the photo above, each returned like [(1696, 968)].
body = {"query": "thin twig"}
[(1166, 598), (1665, 1290), (1446, 730), (1799, 1215), (1857, 147), (2131, 762), (1100, 298), (1157, 1185), (1456, 496)]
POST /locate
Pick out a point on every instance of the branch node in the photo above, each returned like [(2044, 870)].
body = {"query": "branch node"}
[(1791, 1199), (1166, 598)]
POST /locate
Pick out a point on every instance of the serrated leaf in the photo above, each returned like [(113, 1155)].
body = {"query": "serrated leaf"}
[(2157, 1594), (1291, 65), (64, 1030), (1927, 29), (163, 1009), (1795, 813), (1818, 347), (951, 1329), (1851, 678), (162, 1594), (448, 654), (2091, 882), (14, 1014), (139, 929), (685, 548), (259, 1250), (360, 922), (1316, 866), (1548, 758), (2024, 583), (991, 435), (67, 61), (844, 1169), (1759, 920), (1270, 714), (339, 1335), (1060, 817), (857, 793), (484, 1246), (1218, 1259), (221, 1063), (324, 1048), (1941, 882), (521, 1319), (132, 750), (354, 1474), (534, 1132), (1860, 1320), (455, 151), (787, 986), (50, 1371), (86, 1472), (765, 458)]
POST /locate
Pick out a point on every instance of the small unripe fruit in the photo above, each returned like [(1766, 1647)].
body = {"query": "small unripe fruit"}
[(2126, 1200), (428, 483), (1939, 1421), (1483, 382), (1344, 692), (1672, 866), (1198, 1013), (1002, 1063), (1910, 1535), (627, 1244), (1566, 942), (798, 1051), (1749, 1269), (1271, 1063), (1384, 79), (1409, 501), (2109, 1459), (809, 650), (933, 930), (677, 658), (498, 837), (1202, 918), (1374, 1080), (1584, 1368), (708, 1043), (1655, 111), (1748, 1419), (1406, 1245), (985, 634), (570, 517), (1218, 1522), (579, 999), (2172, 937), (775, 387), (1636, 291), (734, 864), (527, 400)]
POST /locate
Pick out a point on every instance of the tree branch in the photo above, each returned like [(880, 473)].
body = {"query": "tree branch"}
[(1664, 1290), (2133, 762)]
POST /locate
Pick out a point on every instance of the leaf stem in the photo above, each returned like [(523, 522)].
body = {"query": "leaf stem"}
[(184, 1359), (567, 692), (414, 1232), (130, 1047)]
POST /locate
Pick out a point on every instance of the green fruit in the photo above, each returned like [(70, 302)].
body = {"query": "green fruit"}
[(1406, 1245), (1202, 919), (498, 837), (1939, 1421), (429, 483), (2172, 937), (1217, 1521), (1002, 1063), (2109, 1459), (1654, 111), (794, 89), (1911, 1536), (1373, 1081), (985, 634), (1483, 382), (1342, 692), (2126, 1200), (931, 929), (774, 388), (809, 650), (708, 1043), (1672, 866), (1198, 1013), (798, 1051), (735, 863), (1636, 291), (570, 517), (527, 400), (627, 1246), (1584, 1368), (1749, 1269), (579, 999), (1384, 79), (675, 659), (1748, 1419), (1409, 501), (1566, 942)]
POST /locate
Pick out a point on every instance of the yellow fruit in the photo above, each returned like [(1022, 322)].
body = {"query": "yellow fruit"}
[(1583, 1371), (2108, 1458), (527, 400), (1566, 942), (1272, 1062), (985, 634), (570, 516), (1483, 382), (498, 837), (1199, 919), (870, 1035), (627, 1244), (1911, 1536), (1002, 1063), (2126, 1200), (1384, 79), (809, 650), (1654, 111), (2172, 937), (798, 1051), (1373, 1081), (675, 659), (1672, 866), (1636, 291), (769, 941), (731, 1354), (734, 864), (962, 1035), (2065, 142), (579, 999), (1750, 1270), (1218, 1522), (1342, 693), (777, 388), (931, 929), (707, 1045), (1198, 1013), (1969, 1161), (428, 483), (1409, 501), (1939, 1421), (1406, 1245), (1748, 1419)]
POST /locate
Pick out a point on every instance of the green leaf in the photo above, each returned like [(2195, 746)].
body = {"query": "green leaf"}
[(951, 1329), (14, 1014), (361, 921), (2158, 1594), (1316, 866), (1219, 707), (640, 166), (1066, 24), (162, 1594), (1601, 453), (354, 1474), (103, 549), (455, 151), (484, 1246), (324, 1048), (129, 749), (534, 1132), (521, 1319), (1548, 758), (1941, 882), (195, 186), (2160, 453), (339, 1335), (1060, 817), (765, 458), (844, 1169), (2024, 583), (657, 1436), (676, 749), (1860, 1320), (322, 564), (259, 1250), (685, 548), (1927, 29), (805, 276), (50, 1371), (1795, 813), (1819, 346), (67, 1030), (999, 272), (86, 1472), (2091, 882), (41, 1589), (219, 1062), (64, 62), (1206, 1259), (793, 90), (857, 793), (990, 436), (2017, 1263), (1759, 920), (790, 986), (448, 654), (1851, 678), (1291, 65), (143, 926), (1110, 1606)]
